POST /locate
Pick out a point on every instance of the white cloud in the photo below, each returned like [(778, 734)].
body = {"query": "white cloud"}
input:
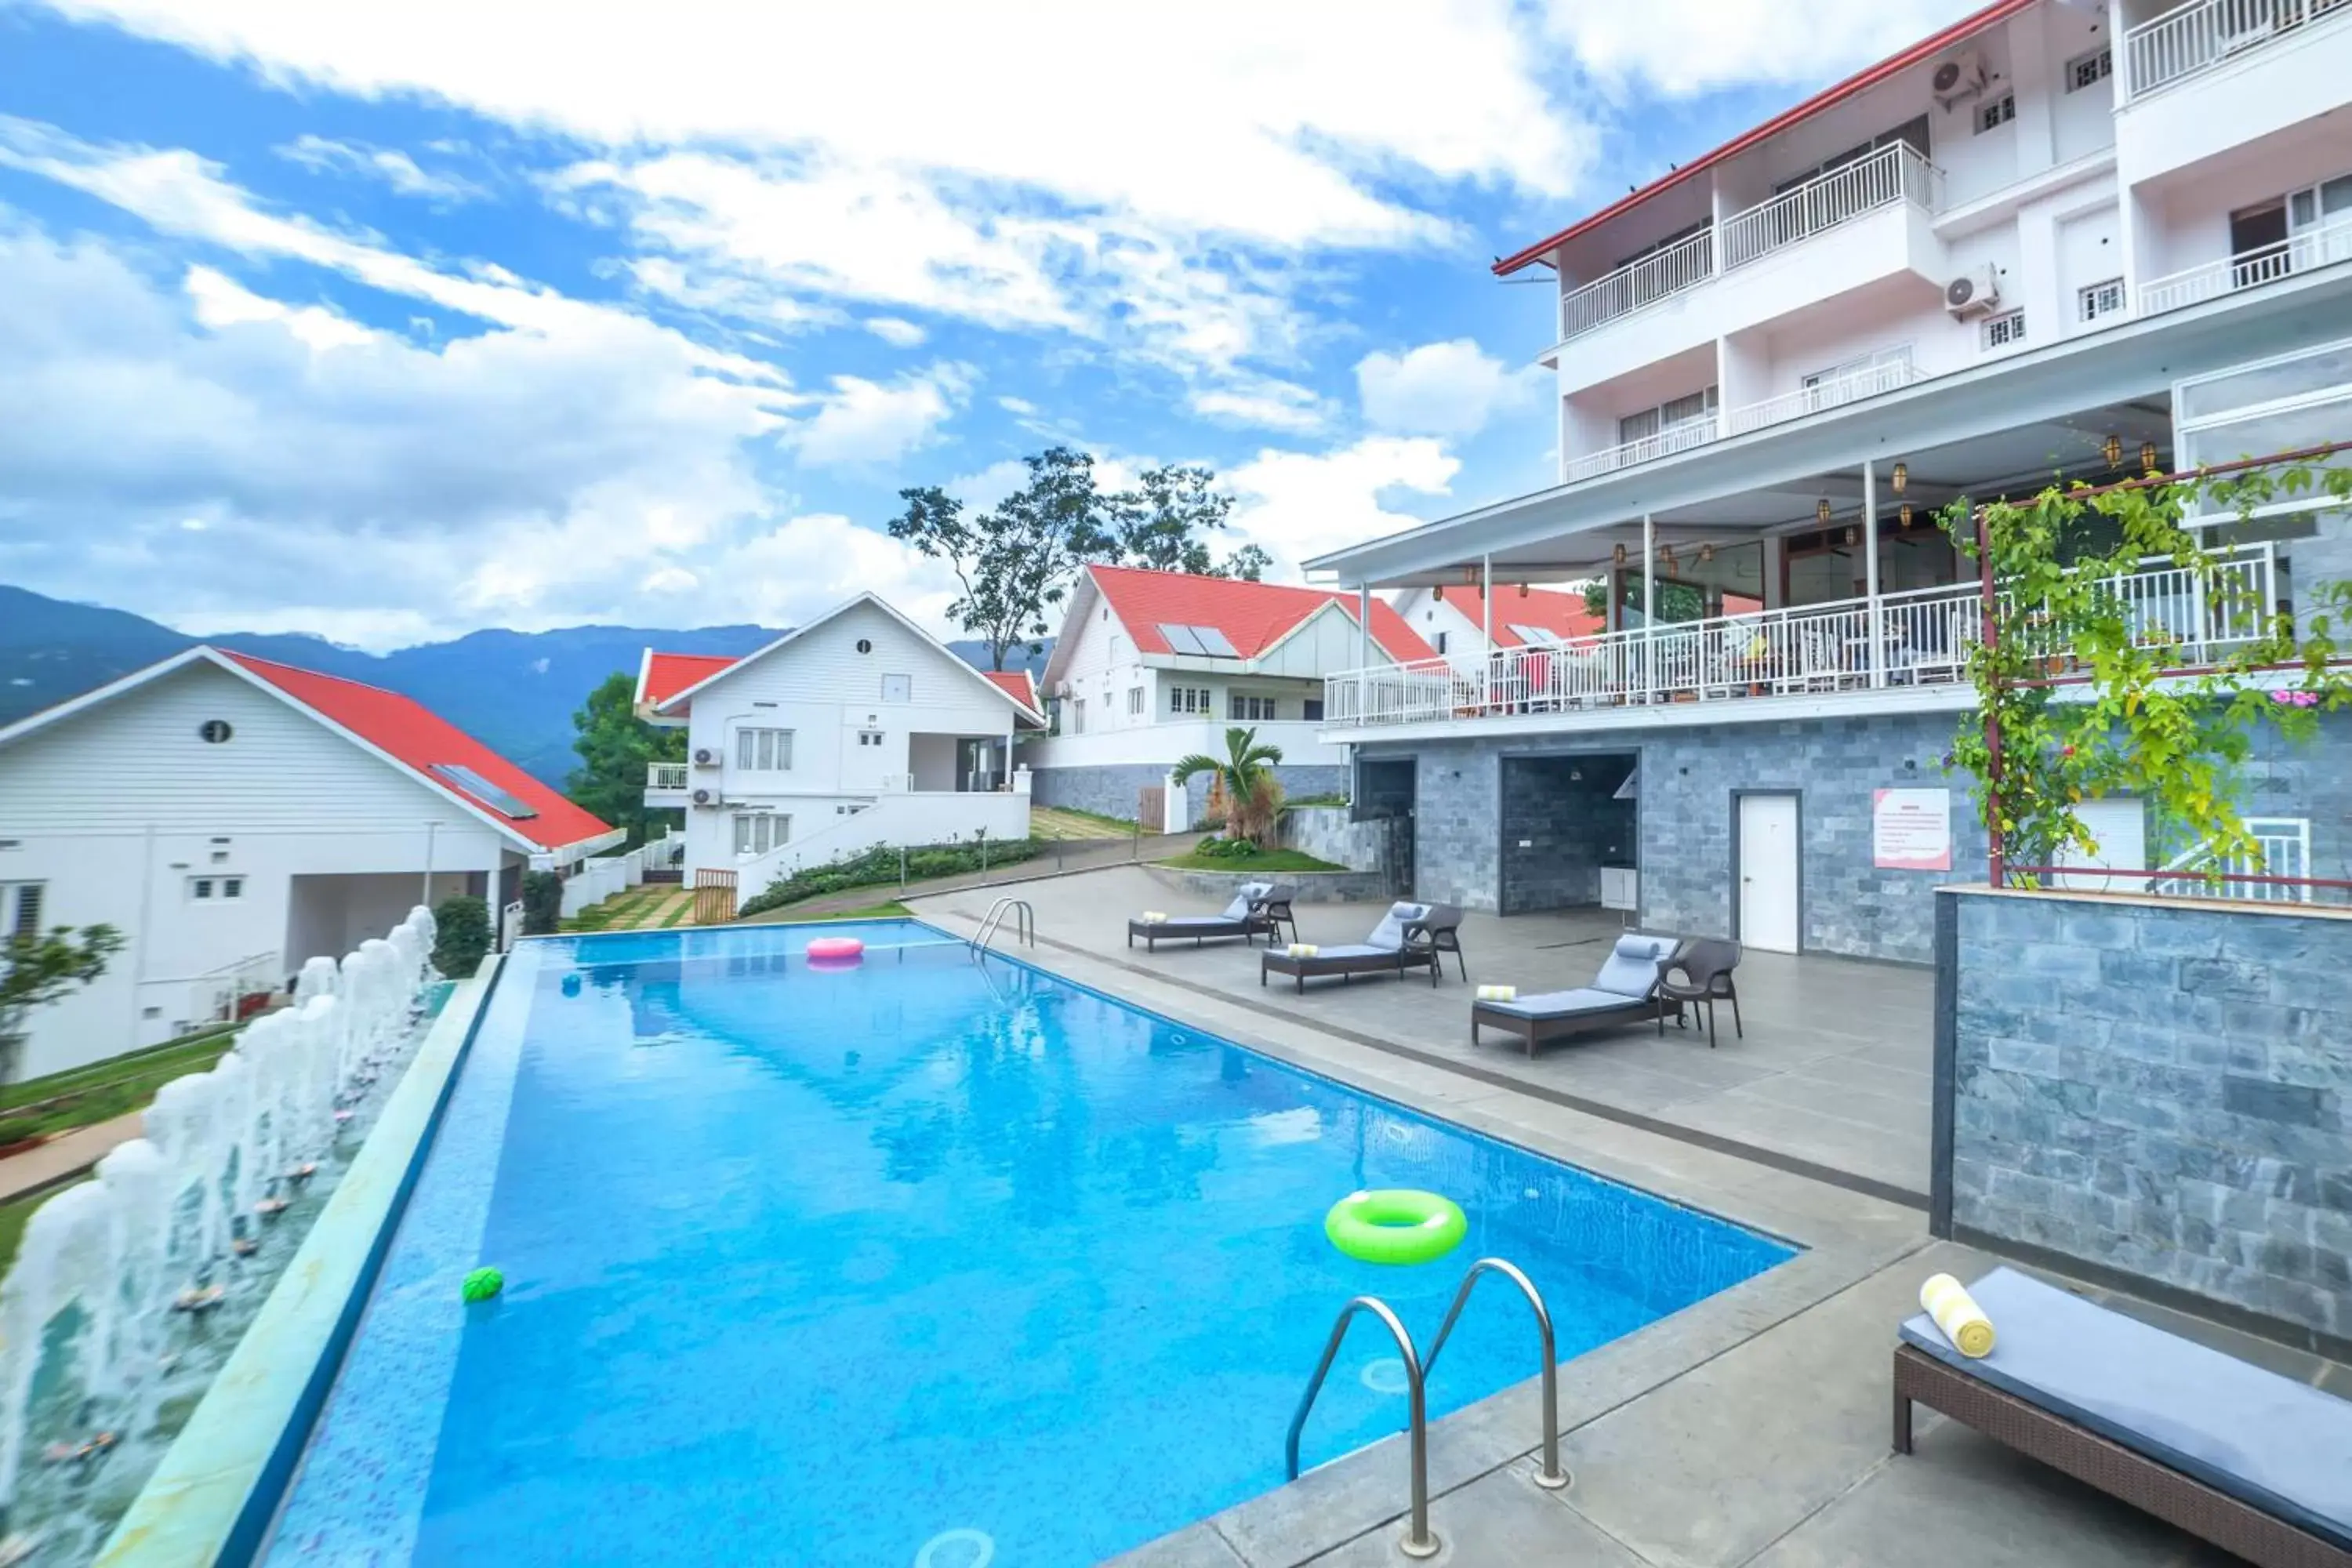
[(895, 331), (1267, 403), (220, 301), (1019, 405), (862, 421), (388, 164), (1299, 505), (1451, 388), (1686, 47)]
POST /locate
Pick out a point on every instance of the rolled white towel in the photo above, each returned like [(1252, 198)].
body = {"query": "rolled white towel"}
[(1956, 1312), (1155, 917), (1303, 950), (1498, 993)]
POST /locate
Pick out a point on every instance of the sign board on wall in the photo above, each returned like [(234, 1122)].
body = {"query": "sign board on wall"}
[(1911, 829)]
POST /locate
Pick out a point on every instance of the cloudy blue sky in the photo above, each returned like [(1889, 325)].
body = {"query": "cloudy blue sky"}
[(389, 322)]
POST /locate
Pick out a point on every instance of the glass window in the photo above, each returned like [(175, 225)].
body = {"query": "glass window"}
[(2099, 300), (1997, 113), (200, 887), (2004, 330), (764, 751), (2090, 70), (20, 909), (757, 832), (1313, 715), (1134, 700), (232, 888), (1249, 709)]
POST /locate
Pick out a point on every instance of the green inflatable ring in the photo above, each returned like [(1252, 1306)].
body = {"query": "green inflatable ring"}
[(1396, 1225)]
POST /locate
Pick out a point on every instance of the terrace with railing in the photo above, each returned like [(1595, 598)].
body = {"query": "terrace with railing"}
[(2313, 247), (1892, 174), (2192, 39), (1912, 639)]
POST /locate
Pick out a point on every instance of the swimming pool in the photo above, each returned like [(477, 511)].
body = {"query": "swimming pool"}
[(920, 1261)]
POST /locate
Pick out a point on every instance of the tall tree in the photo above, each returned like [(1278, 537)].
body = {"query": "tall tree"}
[(37, 968), (1166, 521), (1014, 562), (614, 745)]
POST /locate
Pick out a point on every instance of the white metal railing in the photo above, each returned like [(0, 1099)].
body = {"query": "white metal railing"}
[(1657, 275), (666, 775), (2284, 850), (1895, 172), (2202, 34), (1833, 393), (2313, 247), (1919, 636), (1674, 439)]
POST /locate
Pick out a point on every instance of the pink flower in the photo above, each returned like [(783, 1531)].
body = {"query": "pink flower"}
[(2296, 699)]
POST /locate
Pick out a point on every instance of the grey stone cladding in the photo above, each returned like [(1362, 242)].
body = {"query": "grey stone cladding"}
[(2163, 1088), (1113, 789)]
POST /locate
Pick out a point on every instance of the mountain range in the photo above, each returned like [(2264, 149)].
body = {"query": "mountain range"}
[(515, 691)]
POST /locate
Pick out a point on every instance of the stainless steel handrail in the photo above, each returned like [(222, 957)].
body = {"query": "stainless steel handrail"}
[(1551, 1476), (1025, 923), (1418, 1541)]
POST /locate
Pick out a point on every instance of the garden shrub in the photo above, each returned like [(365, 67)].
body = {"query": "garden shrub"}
[(542, 903), (880, 865), (463, 939)]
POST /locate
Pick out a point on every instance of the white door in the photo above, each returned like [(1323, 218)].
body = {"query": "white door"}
[(2121, 827), (1768, 872)]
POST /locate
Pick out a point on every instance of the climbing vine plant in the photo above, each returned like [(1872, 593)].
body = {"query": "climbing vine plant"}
[(2087, 688)]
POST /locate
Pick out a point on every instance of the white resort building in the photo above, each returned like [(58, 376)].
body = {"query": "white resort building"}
[(2055, 240), (231, 817), (856, 731), (1152, 667)]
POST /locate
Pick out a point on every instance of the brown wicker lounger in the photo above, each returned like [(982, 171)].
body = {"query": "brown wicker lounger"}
[(1260, 909), (2274, 1457), (1409, 937)]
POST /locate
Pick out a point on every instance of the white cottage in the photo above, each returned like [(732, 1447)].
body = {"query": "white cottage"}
[(859, 728), (233, 816)]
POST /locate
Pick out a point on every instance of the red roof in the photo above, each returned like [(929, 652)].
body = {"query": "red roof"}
[(414, 736), (666, 675), (1894, 65), (1254, 616), (1016, 684), (1562, 614)]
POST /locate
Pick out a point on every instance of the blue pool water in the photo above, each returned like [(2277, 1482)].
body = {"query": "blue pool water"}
[(915, 1262)]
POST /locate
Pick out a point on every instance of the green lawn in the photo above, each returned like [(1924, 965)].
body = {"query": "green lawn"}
[(1264, 860), (61, 1101), (606, 915), (893, 911)]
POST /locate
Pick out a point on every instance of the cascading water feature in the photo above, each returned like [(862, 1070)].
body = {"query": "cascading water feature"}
[(130, 1290)]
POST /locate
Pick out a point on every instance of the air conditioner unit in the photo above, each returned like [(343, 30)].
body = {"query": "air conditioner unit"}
[(1973, 294), (706, 757), (1962, 76), (705, 797)]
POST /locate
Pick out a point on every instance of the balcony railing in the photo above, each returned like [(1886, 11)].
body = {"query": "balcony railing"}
[(666, 775), (2202, 34), (1672, 438), (1894, 173), (1919, 637), (1831, 394), (2313, 247), (1654, 277)]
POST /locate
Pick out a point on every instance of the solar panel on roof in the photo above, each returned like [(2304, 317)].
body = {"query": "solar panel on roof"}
[(1182, 639), (1214, 643), (504, 802)]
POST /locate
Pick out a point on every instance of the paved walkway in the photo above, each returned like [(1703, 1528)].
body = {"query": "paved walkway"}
[(66, 1154), (1750, 1430), (1831, 1079)]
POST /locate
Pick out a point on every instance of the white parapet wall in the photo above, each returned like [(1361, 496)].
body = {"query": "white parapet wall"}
[(907, 819)]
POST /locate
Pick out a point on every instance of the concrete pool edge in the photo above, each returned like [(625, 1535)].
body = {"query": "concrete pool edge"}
[(215, 1492)]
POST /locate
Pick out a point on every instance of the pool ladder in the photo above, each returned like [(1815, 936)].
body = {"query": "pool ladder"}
[(1025, 923), (1418, 1541)]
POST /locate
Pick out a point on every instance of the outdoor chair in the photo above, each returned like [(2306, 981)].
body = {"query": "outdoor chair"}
[(1627, 991), (1410, 936), (2258, 1464), (1258, 909), (1706, 966)]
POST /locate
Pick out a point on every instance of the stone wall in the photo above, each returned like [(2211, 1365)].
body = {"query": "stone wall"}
[(2159, 1088), (1331, 833), (1311, 886), (1560, 824), (1689, 775)]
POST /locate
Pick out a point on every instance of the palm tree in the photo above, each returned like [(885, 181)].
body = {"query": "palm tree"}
[(1245, 775)]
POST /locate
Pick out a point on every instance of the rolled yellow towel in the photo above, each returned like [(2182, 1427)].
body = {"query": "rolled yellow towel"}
[(1498, 993), (1303, 950), (1956, 1312), (1155, 917)]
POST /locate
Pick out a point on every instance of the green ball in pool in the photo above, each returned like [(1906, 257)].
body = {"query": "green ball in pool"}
[(482, 1284)]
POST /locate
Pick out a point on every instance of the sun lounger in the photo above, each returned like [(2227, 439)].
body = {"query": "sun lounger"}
[(2255, 1463), (1259, 909), (1624, 992), (1410, 936)]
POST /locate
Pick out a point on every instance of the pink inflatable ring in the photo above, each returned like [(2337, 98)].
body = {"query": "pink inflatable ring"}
[(835, 948)]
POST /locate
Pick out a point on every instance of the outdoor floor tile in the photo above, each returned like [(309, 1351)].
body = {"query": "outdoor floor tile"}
[(1959, 1497), (1194, 1546), (1499, 1519)]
